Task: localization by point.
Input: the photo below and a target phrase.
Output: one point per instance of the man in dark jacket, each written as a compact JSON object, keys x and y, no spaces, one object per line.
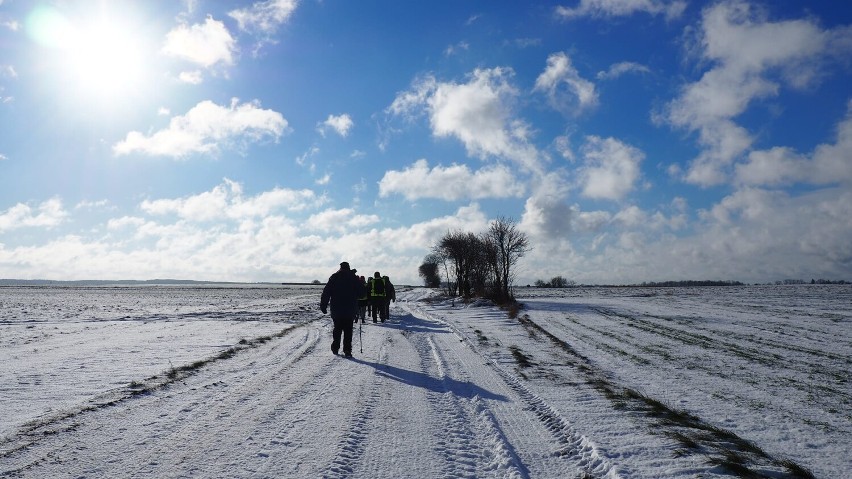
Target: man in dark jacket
{"x":390,"y":295}
{"x":342,"y":292}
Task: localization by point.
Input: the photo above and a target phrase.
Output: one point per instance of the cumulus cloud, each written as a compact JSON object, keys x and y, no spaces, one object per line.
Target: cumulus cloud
{"x":746,"y":236}
{"x":341,"y":124}
{"x":227,"y":202}
{"x":611,"y":168}
{"x":827,"y":164}
{"x":194,"y":77}
{"x":450,"y":183}
{"x":547,"y":218}
{"x":48,"y":214}
{"x":478,"y":113}
{"x":340,"y":220}
{"x":751,"y":58}
{"x":619,"y":8}
{"x":205,"y":128}
{"x":205,"y":44}
{"x":264,"y":17}
{"x":256,"y":247}
{"x":618,"y":69}
{"x":566,"y":91}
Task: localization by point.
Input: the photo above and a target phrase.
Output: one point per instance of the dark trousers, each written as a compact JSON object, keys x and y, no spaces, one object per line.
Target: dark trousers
{"x":343,"y":326}
{"x":380,"y":309}
{"x":378,"y":304}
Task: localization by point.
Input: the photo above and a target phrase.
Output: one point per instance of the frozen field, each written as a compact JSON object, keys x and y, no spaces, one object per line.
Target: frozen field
{"x":599,"y":382}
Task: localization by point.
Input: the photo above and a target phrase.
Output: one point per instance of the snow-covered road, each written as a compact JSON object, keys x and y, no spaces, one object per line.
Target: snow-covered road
{"x":439,"y":391}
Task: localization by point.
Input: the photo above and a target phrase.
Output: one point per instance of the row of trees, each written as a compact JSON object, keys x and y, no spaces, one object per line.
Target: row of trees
{"x":813,"y":281}
{"x":555,"y":282}
{"x":477,"y":264}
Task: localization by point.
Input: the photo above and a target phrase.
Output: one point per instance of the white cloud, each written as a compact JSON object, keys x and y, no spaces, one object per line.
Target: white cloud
{"x":751,"y":58}
{"x":163,"y":111}
{"x":478,"y":113}
{"x":12,"y":25}
{"x":450,"y":183}
{"x":8,"y":71}
{"x":341,"y":124}
{"x":3,"y":157}
{"x":458,"y":47}
{"x":90,"y":205}
{"x":227,"y":202}
{"x":547,"y":218}
{"x":303,"y":158}
{"x":125,"y":222}
{"x":560,"y":75}
{"x":618,"y":8}
{"x":271,"y":248}
{"x":324,"y":180}
{"x":750,"y":235}
{"x":611,"y":168}
{"x":264,"y":17}
{"x":340,"y":220}
{"x":827,"y":164}
{"x":49,"y":213}
{"x":618,"y":69}
{"x":204,"y":44}
{"x":205,"y":128}
{"x":562,"y":145}
{"x":194,"y":77}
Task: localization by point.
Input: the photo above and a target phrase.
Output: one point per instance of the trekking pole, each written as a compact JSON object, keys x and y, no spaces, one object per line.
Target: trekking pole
{"x":361,"y":338}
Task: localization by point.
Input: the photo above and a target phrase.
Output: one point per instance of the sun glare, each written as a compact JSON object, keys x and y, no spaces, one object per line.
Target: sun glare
{"x":102,"y":56}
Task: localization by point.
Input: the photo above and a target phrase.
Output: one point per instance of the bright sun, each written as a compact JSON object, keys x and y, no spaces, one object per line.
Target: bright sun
{"x":100,"y":55}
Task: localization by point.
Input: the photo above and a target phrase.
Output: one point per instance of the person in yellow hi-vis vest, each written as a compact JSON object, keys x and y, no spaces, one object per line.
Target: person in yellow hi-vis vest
{"x":377,"y":297}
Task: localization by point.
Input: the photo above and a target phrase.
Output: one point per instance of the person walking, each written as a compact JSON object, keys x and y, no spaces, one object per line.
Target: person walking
{"x":363,"y":301}
{"x":341,"y":292}
{"x":390,"y":295}
{"x":369,"y":286}
{"x":377,"y":297}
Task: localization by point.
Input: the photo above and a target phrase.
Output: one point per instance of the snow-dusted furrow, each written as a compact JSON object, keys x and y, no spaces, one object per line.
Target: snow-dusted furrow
{"x":576,"y":449}
{"x":170,"y":429}
{"x":822,"y":377}
{"x":238,"y":405}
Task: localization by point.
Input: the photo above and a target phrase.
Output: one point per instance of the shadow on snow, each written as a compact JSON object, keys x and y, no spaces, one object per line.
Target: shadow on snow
{"x":446,"y":384}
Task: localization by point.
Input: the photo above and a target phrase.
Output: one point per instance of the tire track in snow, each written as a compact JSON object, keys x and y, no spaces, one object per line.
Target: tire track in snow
{"x":472,"y":421}
{"x":572,"y":446}
{"x":353,"y":443}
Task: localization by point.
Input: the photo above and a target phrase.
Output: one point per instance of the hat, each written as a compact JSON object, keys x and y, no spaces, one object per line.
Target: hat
{"x":344,"y":266}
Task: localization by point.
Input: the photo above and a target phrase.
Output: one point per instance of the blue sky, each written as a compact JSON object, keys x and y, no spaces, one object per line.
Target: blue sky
{"x":631,"y":140}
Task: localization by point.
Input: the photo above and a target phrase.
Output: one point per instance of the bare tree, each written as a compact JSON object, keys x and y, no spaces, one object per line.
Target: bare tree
{"x":429,"y":271}
{"x":512,"y":244}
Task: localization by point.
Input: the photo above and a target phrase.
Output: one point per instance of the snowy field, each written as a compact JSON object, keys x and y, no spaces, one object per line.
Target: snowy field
{"x":231,"y":381}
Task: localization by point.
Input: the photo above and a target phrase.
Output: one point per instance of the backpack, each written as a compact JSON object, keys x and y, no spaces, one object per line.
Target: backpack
{"x":378,"y":287}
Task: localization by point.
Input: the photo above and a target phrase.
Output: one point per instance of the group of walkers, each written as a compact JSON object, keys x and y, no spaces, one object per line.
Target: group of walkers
{"x":353,"y":297}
